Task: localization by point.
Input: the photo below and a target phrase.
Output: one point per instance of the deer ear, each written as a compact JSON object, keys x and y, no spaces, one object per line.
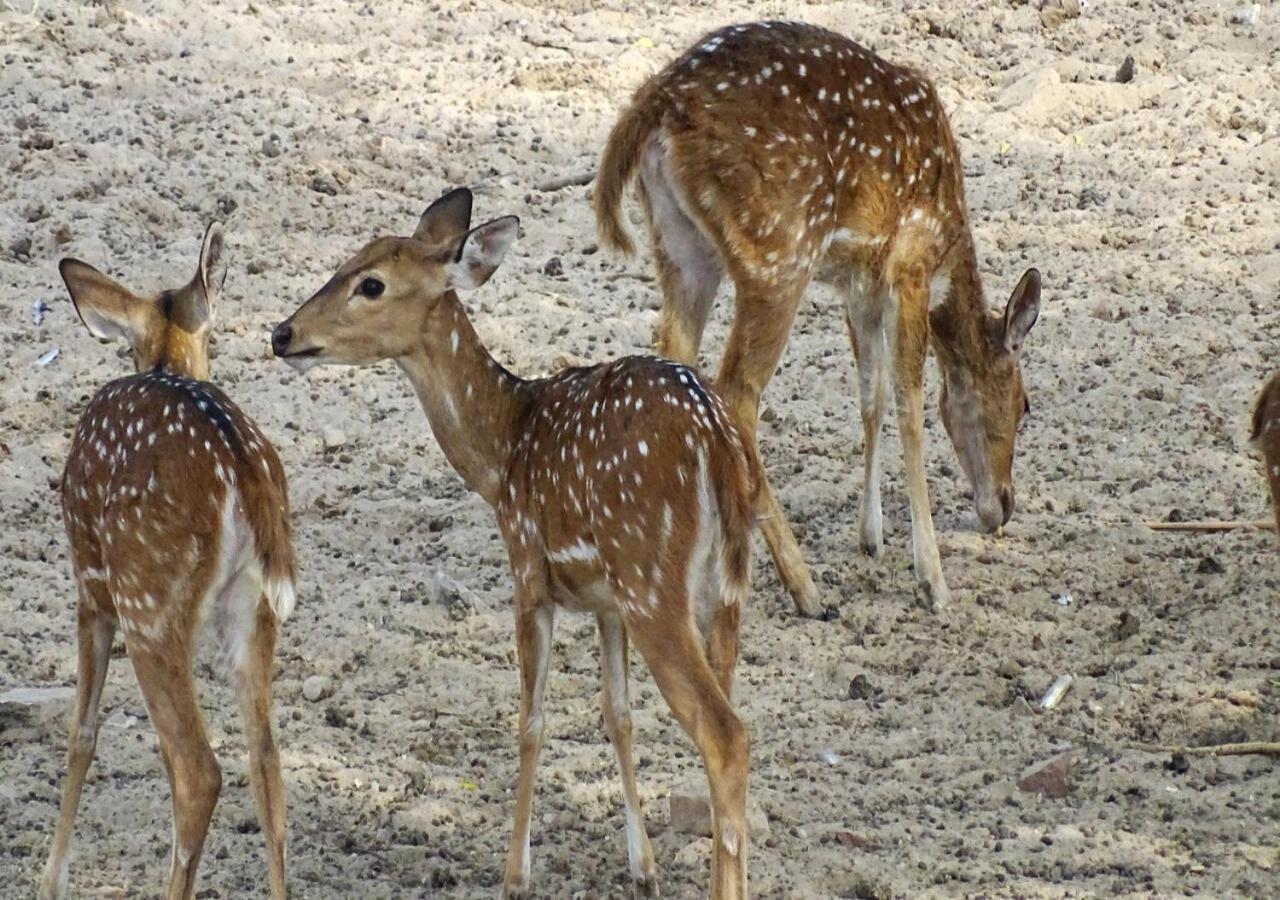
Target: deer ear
{"x":107,"y":308}
{"x":480,"y":252}
{"x":446,"y":219}
{"x":209,"y":278}
{"x":1022,"y":311}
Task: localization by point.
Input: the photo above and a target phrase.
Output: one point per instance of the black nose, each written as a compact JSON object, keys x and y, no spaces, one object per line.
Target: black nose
{"x":1006,"y":503}
{"x":280,"y":338}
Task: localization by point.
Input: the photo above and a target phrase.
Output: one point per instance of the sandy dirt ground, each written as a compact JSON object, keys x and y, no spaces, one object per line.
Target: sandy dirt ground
{"x":1150,"y":207}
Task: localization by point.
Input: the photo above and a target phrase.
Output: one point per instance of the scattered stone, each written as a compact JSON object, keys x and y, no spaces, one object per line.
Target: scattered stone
{"x":1090,"y":196}
{"x":317,"y":688}
{"x":1010,"y":668}
{"x":1247,"y":15}
{"x":20,"y":248}
{"x":333,"y":437}
{"x":439,"y":523}
{"x":337,"y":716}
{"x":860,"y":688}
{"x":226,"y":206}
{"x":854,"y":841}
{"x":1275,"y":662}
{"x":35,"y":704}
{"x":1054,"y":12}
{"x":1128,"y":68}
{"x":271,"y":146}
{"x":1125,"y":627}
{"x":554,"y":267}
{"x":63,"y":235}
{"x":451,"y":595}
{"x":1177,"y":763}
{"x":324,"y":183}
{"x":36,"y":140}
{"x":1020,"y":708}
{"x":1210,"y":566}
{"x":690,"y":808}
{"x":1051,"y":778}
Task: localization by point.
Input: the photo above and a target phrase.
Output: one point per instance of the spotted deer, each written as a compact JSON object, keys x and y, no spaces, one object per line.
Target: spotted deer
{"x":1265,"y":437}
{"x":780,"y":153}
{"x":176,"y":510}
{"x":621,"y":489}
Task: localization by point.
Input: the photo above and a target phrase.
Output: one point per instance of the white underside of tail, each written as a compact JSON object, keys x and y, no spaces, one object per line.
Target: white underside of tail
{"x":280,"y":597}
{"x":230,"y":607}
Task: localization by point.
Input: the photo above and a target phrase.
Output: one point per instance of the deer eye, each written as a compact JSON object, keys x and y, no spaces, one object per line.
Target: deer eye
{"x":371,"y":288}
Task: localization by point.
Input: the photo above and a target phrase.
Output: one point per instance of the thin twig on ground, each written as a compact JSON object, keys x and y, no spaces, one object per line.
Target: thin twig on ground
{"x":1209,"y":525}
{"x":1249,"y":748}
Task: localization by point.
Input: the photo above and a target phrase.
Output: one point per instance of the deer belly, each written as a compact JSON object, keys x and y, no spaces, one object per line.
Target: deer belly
{"x":588,"y":593}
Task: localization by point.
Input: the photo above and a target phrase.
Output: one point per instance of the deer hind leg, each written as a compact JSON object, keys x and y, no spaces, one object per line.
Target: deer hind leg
{"x":911,"y":344}
{"x":871,"y":328}
{"x":534,"y":621}
{"x":689,"y":266}
{"x":94,"y":633}
{"x":680,"y":668}
{"x":616,"y":703}
{"x":164,"y":675}
{"x":253,"y":676}
{"x":761,"y":324}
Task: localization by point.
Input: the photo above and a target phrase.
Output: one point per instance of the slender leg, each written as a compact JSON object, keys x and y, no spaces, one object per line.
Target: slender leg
{"x":722,"y":644}
{"x":95,"y":631}
{"x":761,"y":324}
{"x":689,"y":267}
{"x":912,"y":344}
{"x":534,"y":620}
{"x":616,"y":703}
{"x":864,"y":316}
{"x":194,"y":777}
{"x":254,"y":688}
{"x":693,"y":692}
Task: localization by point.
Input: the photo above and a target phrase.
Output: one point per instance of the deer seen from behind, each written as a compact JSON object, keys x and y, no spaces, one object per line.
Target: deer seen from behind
{"x":177,"y":514}
{"x":621,"y":490}
{"x":779,"y":153}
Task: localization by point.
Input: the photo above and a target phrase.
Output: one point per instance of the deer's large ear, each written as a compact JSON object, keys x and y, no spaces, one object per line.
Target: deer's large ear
{"x":446,"y":219}
{"x":207,"y":285}
{"x":1022,"y":311}
{"x":213,"y":263}
{"x":106,"y":307}
{"x":480,"y":252}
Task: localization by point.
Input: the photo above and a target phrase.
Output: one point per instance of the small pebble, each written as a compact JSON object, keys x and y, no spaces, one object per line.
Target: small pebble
{"x":333,"y":437}
{"x":317,"y":688}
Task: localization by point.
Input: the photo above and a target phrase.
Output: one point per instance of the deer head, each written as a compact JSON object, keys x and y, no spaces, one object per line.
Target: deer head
{"x":169,"y":331}
{"x":983,"y":399}
{"x":378,"y":303}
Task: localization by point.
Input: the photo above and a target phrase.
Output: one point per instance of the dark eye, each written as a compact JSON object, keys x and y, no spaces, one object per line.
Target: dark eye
{"x":371,"y":288}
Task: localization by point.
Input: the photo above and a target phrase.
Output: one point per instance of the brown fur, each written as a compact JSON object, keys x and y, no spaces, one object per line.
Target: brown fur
{"x":863,"y":154}
{"x":1265,"y":436}
{"x":159,"y":463}
{"x":622,"y":489}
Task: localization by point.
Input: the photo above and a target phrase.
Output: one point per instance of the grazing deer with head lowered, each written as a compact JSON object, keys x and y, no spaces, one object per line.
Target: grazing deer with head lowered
{"x":621,"y":489}
{"x":779,"y":153}
{"x":1265,"y":437}
{"x":176,"y":509}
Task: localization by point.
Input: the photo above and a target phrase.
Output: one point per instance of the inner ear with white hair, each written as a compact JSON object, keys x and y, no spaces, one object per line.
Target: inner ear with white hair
{"x":107,"y":308}
{"x":480,"y":252}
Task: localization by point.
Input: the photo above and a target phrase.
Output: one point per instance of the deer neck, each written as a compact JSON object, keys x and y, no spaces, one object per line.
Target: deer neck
{"x":958,"y":323}
{"x":472,"y":403}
